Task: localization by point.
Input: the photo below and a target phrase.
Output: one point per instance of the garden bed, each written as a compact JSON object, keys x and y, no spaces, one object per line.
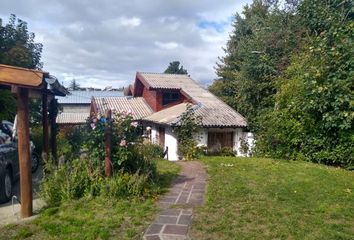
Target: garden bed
{"x":95,"y":218}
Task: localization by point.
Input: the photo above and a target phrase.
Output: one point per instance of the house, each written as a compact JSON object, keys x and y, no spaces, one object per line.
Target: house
{"x":157,"y":100}
{"x":75,"y":108}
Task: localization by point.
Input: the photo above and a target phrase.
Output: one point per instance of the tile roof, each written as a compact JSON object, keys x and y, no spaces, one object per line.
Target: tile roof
{"x":137,"y":105}
{"x":84,"y":97}
{"x":214,"y":112}
{"x":72,"y":118}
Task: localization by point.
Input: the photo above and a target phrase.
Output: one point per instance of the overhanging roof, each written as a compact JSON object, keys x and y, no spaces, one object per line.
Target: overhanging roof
{"x":20,"y":76}
{"x":29,"y":78}
{"x":136,"y":105}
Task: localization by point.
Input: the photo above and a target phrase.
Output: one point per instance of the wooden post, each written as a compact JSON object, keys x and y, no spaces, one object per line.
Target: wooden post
{"x":53,"y":128}
{"x":45,"y":126}
{"x":108,"y":146}
{"x":24,"y":153}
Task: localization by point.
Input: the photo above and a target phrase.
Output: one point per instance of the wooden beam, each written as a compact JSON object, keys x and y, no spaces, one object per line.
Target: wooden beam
{"x":45,"y":126}
{"x":24,"y":153}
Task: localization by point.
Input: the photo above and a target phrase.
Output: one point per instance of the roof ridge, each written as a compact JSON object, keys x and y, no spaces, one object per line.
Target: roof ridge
{"x":164,"y":73}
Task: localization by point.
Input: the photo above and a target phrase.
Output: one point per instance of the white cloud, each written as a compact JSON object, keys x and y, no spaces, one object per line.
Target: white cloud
{"x":167,"y":45}
{"x":105,"y":42}
{"x":122,"y":21}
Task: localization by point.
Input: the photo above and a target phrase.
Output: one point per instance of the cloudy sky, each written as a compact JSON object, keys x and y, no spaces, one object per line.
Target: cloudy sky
{"x":104,"y":42}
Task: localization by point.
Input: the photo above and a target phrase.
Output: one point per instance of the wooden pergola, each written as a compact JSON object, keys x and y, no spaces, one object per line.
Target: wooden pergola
{"x":24,"y":84}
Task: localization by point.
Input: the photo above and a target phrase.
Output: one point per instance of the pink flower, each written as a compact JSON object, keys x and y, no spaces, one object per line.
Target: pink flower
{"x":93,"y":126}
{"x":123,"y":142}
{"x":134,"y":124}
{"x":94,"y":120}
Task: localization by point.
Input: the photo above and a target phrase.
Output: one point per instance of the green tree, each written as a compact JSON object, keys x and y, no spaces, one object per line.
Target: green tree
{"x":74,"y":86}
{"x":259,"y":49}
{"x":313,"y":115}
{"x":17,"y":48}
{"x":175,"y":68}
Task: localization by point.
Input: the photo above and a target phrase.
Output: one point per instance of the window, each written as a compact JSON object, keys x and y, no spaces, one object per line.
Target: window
{"x":169,"y":97}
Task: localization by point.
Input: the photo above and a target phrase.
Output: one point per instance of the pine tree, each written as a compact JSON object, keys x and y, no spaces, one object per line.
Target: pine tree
{"x":174,"y":68}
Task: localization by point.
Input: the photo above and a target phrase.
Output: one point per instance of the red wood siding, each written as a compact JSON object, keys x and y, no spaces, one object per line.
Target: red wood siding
{"x":154,"y":97}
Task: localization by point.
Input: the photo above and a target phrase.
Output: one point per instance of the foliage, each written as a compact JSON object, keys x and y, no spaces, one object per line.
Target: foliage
{"x":8,"y":105}
{"x":101,"y":217}
{"x":245,"y":147}
{"x":187,"y":129}
{"x":126,"y":139}
{"x":37,"y":139}
{"x":151,"y":151}
{"x":73,"y":86}
{"x":18,"y":47}
{"x":290,"y":72}
{"x":257,"y":198}
{"x":64,"y":148}
{"x":35,"y":112}
{"x":70,"y":141}
{"x":314,"y":104}
{"x":174,"y":68}
{"x":227,"y":152}
{"x":258,"y":50}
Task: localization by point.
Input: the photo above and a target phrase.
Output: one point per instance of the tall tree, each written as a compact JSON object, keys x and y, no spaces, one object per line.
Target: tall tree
{"x":74,"y":86}
{"x":290,"y":71}
{"x":174,"y":68}
{"x":259,"y":49}
{"x":17,"y":48}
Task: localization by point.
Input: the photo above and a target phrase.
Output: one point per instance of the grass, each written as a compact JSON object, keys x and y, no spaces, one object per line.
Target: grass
{"x":249,"y":198}
{"x":97,"y":218}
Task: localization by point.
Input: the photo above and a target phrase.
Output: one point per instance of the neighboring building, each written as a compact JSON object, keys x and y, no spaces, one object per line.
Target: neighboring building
{"x":75,"y":108}
{"x":158,"y":100}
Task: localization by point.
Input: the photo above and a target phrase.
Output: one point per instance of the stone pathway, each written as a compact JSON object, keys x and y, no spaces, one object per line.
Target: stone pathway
{"x":186,"y":192}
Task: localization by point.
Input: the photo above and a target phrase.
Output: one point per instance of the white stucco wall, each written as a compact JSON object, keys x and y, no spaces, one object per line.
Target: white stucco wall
{"x":171,"y":143}
{"x":203,"y":137}
{"x":154,"y":134}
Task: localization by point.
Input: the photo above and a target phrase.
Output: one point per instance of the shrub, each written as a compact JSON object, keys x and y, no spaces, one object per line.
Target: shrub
{"x":151,"y":151}
{"x":124,"y":185}
{"x":186,"y":131}
{"x":83,"y":178}
{"x":227,"y":151}
{"x":244,"y":148}
{"x":37,"y":139}
{"x":69,"y":181}
{"x":63,"y":146}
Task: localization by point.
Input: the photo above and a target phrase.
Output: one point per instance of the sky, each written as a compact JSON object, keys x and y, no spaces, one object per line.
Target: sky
{"x":105,"y":42}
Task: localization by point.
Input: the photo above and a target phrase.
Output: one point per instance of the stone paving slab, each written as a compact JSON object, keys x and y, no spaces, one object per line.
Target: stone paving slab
{"x":186,"y":192}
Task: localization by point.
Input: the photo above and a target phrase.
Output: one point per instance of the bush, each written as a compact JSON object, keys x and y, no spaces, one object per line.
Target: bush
{"x":151,"y":151}
{"x":63,"y":146}
{"x":227,"y":151}
{"x":69,"y":181}
{"x":186,"y":130}
{"x":37,"y":139}
{"x":83,"y":178}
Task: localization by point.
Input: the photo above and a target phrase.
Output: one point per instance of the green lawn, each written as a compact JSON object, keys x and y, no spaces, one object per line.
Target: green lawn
{"x":249,"y":198}
{"x":97,"y":218}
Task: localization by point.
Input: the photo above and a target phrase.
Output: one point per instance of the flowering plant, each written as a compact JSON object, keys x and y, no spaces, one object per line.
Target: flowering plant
{"x":125,"y":135}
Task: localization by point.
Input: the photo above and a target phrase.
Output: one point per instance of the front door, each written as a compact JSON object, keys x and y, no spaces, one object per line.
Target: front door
{"x":162,"y":136}
{"x":220,"y":139}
